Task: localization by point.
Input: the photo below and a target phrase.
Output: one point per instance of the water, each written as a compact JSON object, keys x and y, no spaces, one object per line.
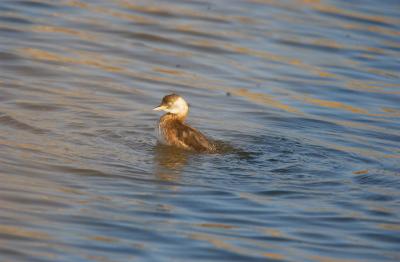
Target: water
{"x":307,"y":92}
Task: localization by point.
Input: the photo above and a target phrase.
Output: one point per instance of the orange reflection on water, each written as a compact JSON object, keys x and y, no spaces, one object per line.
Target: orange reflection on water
{"x":217,"y":242}
{"x":392,"y":227}
{"x":334,"y":104}
{"x":215,"y":225}
{"x":274,"y":256}
{"x":87,"y":59}
{"x":21,"y":232}
{"x":104,"y":239}
{"x":370,"y":86}
{"x":263,"y":99}
{"x":168,"y":71}
{"x":331,"y":259}
{"x":224,"y":243}
{"x":68,"y":31}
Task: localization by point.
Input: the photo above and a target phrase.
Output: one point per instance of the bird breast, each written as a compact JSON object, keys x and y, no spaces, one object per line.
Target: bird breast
{"x":160,"y":133}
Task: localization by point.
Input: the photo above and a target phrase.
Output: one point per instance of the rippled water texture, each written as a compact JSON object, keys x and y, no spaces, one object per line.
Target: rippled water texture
{"x":307,"y":93}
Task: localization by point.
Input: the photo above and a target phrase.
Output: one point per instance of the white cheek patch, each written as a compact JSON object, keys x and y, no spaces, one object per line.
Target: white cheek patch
{"x":180,"y":106}
{"x":175,"y":110}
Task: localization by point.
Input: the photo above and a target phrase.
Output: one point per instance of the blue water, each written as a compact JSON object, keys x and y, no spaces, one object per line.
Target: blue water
{"x":304,"y":95}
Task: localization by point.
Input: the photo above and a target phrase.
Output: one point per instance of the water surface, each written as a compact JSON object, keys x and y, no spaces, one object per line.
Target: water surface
{"x":307,"y":92}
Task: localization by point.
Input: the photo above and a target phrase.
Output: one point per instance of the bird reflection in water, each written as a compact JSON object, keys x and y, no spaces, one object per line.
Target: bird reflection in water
{"x":169,"y":162}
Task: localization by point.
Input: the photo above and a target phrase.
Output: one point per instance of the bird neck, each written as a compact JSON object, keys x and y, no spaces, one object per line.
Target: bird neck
{"x":178,"y":117}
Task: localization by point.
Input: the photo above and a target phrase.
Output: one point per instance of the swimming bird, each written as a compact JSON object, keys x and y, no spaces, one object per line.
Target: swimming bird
{"x":172,"y":130}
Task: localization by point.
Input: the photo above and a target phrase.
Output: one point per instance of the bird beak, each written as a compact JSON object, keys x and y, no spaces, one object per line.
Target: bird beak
{"x":159,"y":108}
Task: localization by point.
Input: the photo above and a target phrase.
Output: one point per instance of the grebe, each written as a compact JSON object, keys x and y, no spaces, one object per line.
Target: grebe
{"x":172,"y":130}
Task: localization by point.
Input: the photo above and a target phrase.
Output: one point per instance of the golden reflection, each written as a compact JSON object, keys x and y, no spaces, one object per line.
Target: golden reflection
{"x":391,"y":227}
{"x":361,"y":172}
{"x":264,"y":99}
{"x":362,"y":126}
{"x":361,"y":27}
{"x":277,"y":58}
{"x":355,"y":150}
{"x":223,"y":243}
{"x":169,"y":162}
{"x":121,"y":15}
{"x":331,"y":259}
{"x":391,"y":111}
{"x":370,"y":86}
{"x":68,"y":31}
{"x":323,"y":6}
{"x":104,"y":239}
{"x":337,"y":105}
{"x":329,"y":9}
{"x":245,"y":20}
{"x":216,"y":225}
{"x":76,"y":3}
{"x":334,"y":104}
{"x":20,"y":232}
{"x":168,"y":71}
{"x":220,"y":243}
{"x":83,"y":59}
{"x":274,"y":256}
{"x":397,"y":156}
{"x":273,"y":232}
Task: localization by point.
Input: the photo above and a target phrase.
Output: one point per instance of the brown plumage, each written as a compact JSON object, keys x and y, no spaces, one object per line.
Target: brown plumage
{"x":172,"y":130}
